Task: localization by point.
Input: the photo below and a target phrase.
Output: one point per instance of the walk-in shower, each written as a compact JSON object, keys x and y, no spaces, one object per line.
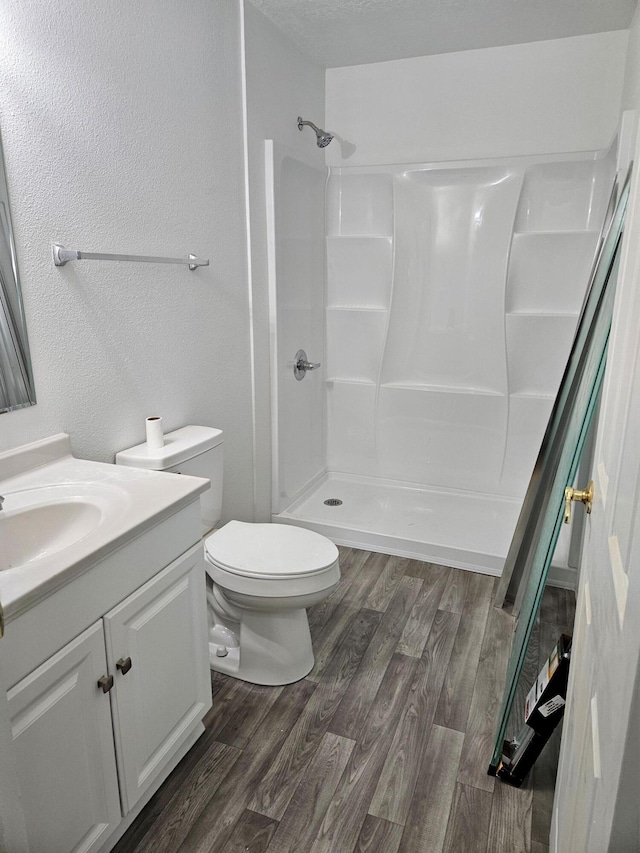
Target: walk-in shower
{"x":441,"y":301}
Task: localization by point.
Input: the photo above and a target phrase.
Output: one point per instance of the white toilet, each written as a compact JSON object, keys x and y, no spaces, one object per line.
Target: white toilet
{"x":261,"y":577}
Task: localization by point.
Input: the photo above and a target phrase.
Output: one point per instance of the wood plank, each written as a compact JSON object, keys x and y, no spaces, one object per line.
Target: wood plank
{"x":455,"y":593}
{"x":169,"y":815}
{"x":418,"y":625}
{"x":537,"y":847}
{"x":380,"y":596}
{"x":457,"y":689}
{"x":239,"y":730}
{"x":468,"y":827}
{"x":552,"y":605}
{"x":252,"y":834}
{"x":378,"y":836}
{"x":311,"y":799}
{"x":425,"y":571}
{"x":218,"y":681}
{"x":330,"y":637}
{"x":366,"y":579}
{"x":320,"y":613}
{"x":274,"y":793}
{"x":230,"y":698}
{"x":426,"y":823}
{"x":392,"y":797}
{"x":353,"y":710}
{"x":486,"y":701}
{"x":347,"y":811}
{"x":510,"y":827}
{"x":569,"y":615}
{"x":214,"y":827}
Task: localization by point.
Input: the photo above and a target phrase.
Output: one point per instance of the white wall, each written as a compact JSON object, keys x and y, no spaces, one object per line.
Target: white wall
{"x":543,"y":97}
{"x":281,"y":84}
{"x":122,"y":129}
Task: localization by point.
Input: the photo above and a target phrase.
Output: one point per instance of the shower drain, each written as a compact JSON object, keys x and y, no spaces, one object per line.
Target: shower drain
{"x":333,"y":502}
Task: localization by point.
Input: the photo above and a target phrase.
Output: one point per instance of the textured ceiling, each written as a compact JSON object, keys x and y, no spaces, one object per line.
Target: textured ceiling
{"x":352,"y":32}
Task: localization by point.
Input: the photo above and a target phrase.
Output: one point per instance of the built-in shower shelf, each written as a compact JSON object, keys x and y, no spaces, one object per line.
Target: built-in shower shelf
{"x":442,"y":389}
{"x":545,"y":398}
{"x":346,"y":237}
{"x":345,"y":381}
{"x":370,"y":308}
{"x":560,"y":233}
{"x":541,"y":315}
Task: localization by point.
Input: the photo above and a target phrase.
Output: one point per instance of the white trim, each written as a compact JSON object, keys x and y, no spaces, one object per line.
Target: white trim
{"x":247,"y":216}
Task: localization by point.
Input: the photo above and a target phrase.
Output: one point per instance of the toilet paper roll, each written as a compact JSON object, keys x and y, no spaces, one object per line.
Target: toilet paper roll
{"x":155,"y":437}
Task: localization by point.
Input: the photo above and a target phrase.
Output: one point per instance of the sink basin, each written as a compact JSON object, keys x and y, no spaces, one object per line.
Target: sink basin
{"x":36,"y":523}
{"x":64,"y":516}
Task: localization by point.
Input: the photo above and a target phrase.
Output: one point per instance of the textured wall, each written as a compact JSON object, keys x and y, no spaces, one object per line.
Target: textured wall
{"x":538,"y":98}
{"x":122,"y":129}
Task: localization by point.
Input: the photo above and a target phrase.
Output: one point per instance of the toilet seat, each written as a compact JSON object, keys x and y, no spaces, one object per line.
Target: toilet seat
{"x":270,"y":551}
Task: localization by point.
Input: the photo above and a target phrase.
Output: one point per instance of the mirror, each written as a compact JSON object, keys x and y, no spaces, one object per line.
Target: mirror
{"x":16,"y":378}
{"x":560,"y":455}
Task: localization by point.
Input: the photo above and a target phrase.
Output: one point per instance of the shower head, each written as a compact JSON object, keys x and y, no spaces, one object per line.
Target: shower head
{"x":322,"y":137}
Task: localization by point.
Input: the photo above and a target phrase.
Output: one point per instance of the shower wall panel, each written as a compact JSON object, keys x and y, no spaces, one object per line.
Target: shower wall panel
{"x":452,"y":237}
{"x":452,"y":298}
{"x":296,"y":213}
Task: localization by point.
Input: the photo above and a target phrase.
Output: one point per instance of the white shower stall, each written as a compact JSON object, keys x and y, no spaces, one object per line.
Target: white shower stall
{"x":441,"y":300}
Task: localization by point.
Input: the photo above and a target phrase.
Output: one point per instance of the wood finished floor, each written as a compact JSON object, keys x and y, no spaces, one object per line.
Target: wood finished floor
{"x":382,"y":748}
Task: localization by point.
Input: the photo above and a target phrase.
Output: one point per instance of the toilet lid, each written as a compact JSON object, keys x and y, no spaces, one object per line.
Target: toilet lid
{"x":270,"y":550}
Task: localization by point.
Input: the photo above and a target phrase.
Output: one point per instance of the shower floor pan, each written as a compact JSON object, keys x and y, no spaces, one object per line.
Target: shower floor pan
{"x":465,"y":530}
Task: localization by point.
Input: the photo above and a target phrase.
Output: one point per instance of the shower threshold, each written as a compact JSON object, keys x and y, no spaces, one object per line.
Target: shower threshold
{"x":466,"y":530}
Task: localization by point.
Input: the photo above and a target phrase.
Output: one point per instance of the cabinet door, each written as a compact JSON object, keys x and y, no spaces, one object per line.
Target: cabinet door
{"x":161,"y":630}
{"x":62,"y":735}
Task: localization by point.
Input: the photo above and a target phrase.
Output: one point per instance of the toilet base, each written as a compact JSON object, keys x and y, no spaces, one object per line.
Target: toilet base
{"x":273,"y":648}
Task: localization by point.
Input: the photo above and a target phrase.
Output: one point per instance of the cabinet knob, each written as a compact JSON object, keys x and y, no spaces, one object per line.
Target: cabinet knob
{"x":124,"y":665}
{"x":105,"y":683}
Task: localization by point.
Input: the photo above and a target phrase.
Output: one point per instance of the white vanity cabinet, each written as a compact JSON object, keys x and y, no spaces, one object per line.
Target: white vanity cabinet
{"x":85,"y":756}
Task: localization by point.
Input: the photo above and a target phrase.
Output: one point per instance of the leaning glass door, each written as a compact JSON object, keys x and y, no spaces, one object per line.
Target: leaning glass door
{"x":560,"y":455}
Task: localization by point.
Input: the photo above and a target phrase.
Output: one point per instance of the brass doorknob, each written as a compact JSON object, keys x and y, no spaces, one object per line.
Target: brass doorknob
{"x":584,"y":496}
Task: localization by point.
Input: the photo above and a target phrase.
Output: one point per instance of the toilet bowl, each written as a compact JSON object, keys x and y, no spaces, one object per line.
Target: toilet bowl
{"x":261,"y":579}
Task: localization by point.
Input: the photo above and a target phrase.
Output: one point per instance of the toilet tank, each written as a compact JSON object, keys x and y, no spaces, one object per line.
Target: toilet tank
{"x":194,"y":450}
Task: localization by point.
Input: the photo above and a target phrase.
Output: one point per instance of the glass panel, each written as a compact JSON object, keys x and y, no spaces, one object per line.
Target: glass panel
{"x":518,"y":561}
{"x":560,"y":454}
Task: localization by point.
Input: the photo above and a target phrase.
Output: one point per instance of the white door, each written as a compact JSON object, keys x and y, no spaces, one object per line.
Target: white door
{"x":63,"y":744}
{"x":597,"y":792}
{"x":157,"y":649}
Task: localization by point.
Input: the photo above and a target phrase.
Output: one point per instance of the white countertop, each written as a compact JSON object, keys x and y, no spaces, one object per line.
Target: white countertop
{"x":124,"y":502}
